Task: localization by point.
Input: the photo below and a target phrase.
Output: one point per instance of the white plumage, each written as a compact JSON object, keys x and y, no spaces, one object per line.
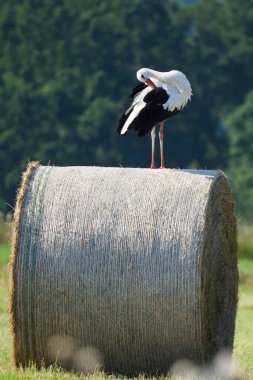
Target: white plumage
{"x":160,"y":96}
{"x":174,"y":82}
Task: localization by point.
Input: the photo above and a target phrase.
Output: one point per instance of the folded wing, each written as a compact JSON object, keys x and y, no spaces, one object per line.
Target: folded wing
{"x":146,"y":112}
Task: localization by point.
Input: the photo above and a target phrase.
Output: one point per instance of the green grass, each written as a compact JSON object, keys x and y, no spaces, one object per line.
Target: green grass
{"x":243,"y":352}
{"x":5,"y":231}
{"x":4,"y":254}
{"x":245,"y":241}
{"x":246,"y":275}
{"x":244,"y":320}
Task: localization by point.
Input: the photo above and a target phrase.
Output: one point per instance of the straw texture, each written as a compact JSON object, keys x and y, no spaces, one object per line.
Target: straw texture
{"x":15,"y":248}
{"x":130,"y":269}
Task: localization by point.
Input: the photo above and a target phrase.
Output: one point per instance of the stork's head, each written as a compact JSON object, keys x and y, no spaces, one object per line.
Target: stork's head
{"x":143,"y":75}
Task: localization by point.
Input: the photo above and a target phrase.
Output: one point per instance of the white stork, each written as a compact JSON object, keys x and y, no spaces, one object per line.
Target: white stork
{"x":158,"y":97}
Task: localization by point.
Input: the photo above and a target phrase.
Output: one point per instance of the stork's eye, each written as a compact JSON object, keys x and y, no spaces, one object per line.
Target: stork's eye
{"x":142,"y":76}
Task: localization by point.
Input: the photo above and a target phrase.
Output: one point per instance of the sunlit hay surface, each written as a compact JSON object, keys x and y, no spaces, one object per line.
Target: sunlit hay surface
{"x":129,"y":270}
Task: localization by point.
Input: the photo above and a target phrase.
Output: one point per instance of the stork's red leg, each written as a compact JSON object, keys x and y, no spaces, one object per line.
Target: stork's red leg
{"x":152,"y":166}
{"x":161,"y":144}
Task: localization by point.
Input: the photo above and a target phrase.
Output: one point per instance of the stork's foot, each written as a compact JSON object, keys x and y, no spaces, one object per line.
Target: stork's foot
{"x":162,"y":163}
{"x":152,"y":166}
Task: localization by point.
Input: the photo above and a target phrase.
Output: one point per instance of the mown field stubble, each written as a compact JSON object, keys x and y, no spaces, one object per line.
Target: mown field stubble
{"x":243,"y":353}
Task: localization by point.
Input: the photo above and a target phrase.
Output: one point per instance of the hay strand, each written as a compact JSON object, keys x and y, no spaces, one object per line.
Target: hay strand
{"x":14,"y":252}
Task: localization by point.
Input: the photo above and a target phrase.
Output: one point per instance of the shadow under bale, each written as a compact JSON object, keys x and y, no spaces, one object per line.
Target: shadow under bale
{"x":127,"y":270}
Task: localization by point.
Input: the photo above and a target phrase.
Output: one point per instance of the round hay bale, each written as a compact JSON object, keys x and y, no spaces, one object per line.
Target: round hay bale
{"x":127,"y":269}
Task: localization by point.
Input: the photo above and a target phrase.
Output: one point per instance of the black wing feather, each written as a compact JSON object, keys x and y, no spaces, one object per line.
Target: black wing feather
{"x":149,"y":117}
{"x":158,"y":95}
{"x":123,"y":117}
{"x":136,"y":90}
{"x":152,"y":114}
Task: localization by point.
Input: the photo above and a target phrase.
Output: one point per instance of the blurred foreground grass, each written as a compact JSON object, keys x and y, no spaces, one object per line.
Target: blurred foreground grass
{"x":243,"y":352}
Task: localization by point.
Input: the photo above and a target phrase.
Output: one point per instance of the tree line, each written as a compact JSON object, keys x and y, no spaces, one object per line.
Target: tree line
{"x":66,"y":68}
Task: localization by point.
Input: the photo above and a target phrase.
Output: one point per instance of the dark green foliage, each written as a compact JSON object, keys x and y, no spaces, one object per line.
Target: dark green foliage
{"x":240,"y":124}
{"x":66,"y":68}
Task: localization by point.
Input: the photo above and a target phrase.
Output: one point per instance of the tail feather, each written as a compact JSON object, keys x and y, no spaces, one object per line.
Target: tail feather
{"x":142,"y":127}
{"x":131,"y":117}
{"x":127,"y":117}
{"x":121,"y":121}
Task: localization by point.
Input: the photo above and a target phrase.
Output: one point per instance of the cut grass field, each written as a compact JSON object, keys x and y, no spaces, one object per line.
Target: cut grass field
{"x":243,"y":353}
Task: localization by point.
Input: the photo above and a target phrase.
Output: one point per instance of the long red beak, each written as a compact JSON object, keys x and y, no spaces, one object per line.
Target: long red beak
{"x":150,"y":83}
